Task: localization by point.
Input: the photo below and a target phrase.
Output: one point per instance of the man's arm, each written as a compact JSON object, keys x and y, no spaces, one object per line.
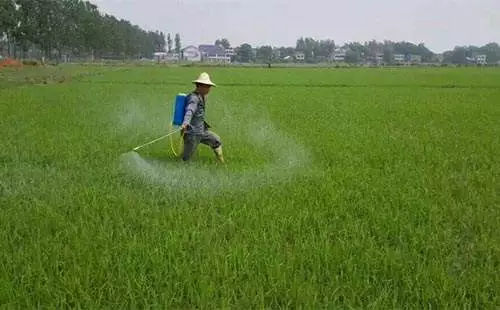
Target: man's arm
{"x":190,"y":110}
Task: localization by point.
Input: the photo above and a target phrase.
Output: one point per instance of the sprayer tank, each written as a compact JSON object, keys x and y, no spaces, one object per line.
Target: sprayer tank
{"x":179,"y":109}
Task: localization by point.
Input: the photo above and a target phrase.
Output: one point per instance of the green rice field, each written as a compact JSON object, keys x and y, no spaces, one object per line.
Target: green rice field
{"x":366,"y":188}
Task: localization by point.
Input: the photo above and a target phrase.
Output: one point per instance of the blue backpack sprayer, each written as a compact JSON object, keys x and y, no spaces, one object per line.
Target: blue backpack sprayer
{"x":175,"y":126}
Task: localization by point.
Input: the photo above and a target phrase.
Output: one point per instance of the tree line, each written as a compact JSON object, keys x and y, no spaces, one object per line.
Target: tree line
{"x":464,"y":54}
{"x":51,"y":28}
{"x":316,"y":51}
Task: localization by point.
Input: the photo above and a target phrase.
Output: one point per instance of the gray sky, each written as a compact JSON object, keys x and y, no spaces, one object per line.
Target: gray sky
{"x":440,"y":24}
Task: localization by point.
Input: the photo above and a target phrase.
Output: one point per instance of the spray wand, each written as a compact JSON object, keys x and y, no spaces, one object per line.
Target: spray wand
{"x":157,"y":139}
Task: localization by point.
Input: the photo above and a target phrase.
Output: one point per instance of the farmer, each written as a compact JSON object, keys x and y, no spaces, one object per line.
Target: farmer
{"x":194,"y":127}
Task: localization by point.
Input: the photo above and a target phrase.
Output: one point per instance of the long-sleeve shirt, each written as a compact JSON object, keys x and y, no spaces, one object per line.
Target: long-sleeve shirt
{"x":195,"y":114}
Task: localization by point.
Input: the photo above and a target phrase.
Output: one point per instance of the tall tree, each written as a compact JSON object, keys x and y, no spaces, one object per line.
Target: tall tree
{"x":169,"y":43}
{"x":158,"y":39}
{"x":265,"y":54}
{"x":223,"y":42}
{"x":355,"y":52}
{"x":423,"y":51}
{"x":286,"y":51}
{"x":324,"y":48}
{"x":8,"y":16}
{"x":492,"y":52}
{"x":459,"y":55}
{"x":77,"y":27}
{"x":388,"y":52}
{"x":178,"y":43}
{"x":352,"y":56}
{"x":244,"y":53}
{"x":373,"y":48}
{"x":314,"y":50}
{"x":301,"y":45}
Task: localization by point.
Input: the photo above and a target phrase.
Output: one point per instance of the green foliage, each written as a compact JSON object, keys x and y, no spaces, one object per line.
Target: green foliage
{"x":7,"y":16}
{"x":178,"y":45}
{"x":169,"y":43}
{"x":492,"y":52}
{"x":265,"y":54}
{"x":244,"y":53}
{"x":75,"y":27}
{"x":460,"y":54}
{"x":223,"y":42}
{"x":315,"y":50}
{"x":355,"y":52}
{"x":286,"y":51}
{"x":407,"y":48}
{"x":457,"y":56}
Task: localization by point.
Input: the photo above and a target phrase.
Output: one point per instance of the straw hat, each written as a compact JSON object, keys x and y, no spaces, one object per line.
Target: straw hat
{"x":204,"y":78}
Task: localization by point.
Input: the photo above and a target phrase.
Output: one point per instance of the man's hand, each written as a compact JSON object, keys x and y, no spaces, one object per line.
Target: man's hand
{"x":184,"y":127}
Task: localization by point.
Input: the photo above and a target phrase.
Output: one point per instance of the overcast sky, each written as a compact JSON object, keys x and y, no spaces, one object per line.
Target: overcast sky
{"x":440,"y":24}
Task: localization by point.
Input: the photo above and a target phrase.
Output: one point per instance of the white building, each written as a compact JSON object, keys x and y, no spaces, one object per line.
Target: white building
{"x":300,"y":56}
{"x":480,"y":59}
{"x":160,"y":56}
{"x":230,"y":52}
{"x":215,"y":53}
{"x":164,"y":57}
{"x":339,"y":55}
{"x":399,"y":58}
{"x":191,"y":53}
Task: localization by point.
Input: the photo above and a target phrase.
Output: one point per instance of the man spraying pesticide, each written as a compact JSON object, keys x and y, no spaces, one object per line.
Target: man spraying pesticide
{"x":194,"y":127}
{"x":189,"y":114}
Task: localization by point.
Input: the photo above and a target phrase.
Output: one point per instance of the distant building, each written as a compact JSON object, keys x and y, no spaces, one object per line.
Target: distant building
{"x":160,"y":56}
{"x":165,"y":57}
{"x":191,"y":53}
{"x":230,"y":52}
{"x":339,"y":55}
{"x":399,"y":58}
{"x":215,"y":53}
{"x":415,"y":59}
{"x":480,"y":59}
{"x":376,"y":59}
{"x":300,"y":56}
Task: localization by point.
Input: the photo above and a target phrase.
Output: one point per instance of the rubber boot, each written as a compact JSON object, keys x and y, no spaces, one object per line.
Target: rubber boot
{"x":218,"y":154}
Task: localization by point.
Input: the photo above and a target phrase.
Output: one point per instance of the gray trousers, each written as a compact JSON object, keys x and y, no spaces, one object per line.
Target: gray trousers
{"x":191,"y":142}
